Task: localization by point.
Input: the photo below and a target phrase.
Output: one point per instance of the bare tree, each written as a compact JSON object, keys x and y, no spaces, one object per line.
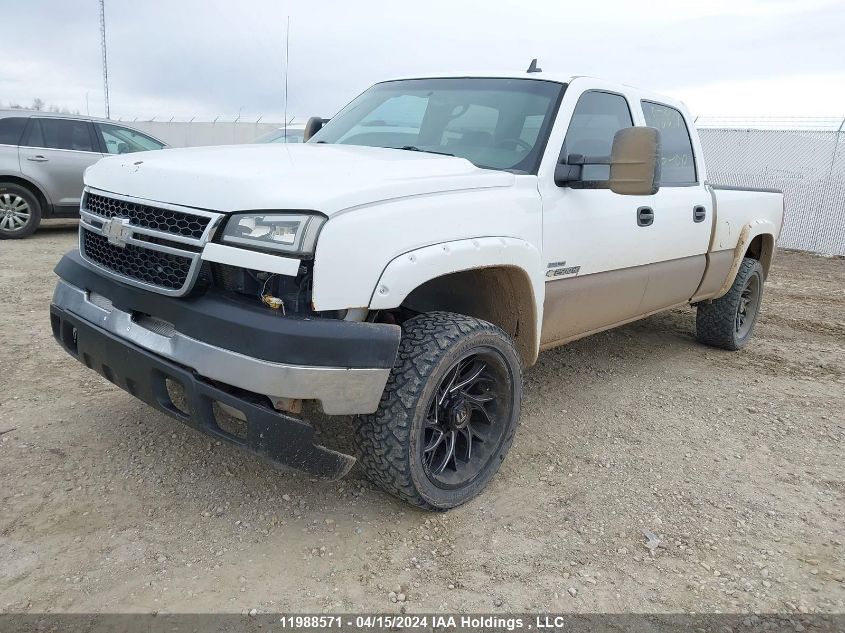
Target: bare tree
{"x":15,"y":106}
{"x":38,"y":103}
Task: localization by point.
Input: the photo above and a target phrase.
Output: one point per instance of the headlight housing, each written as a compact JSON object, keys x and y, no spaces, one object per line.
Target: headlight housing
{"x":277,"y":231}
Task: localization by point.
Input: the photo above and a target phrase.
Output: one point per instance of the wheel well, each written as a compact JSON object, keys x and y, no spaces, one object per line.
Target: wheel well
{"x":34,"y":189}
{"x":762,"y":248}
{"x":501,"y":295}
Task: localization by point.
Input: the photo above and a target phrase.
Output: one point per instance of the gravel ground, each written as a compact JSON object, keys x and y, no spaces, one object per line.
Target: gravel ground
{"x":650,"y":474}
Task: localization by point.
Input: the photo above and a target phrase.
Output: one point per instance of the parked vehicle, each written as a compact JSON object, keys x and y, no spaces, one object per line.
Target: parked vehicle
{"x":406,"y":264}
{"x":291,"y":134}
{"x":42,"y":157}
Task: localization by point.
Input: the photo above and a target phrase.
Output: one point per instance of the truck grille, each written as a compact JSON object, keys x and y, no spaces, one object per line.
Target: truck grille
{"x":156,"y":246}
{"x":149,"y":266}
{"x":156,"y":218}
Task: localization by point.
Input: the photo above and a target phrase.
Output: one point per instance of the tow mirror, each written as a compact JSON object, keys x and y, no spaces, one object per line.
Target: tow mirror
{"x":634,"y":164}
{"x":314,"y":125}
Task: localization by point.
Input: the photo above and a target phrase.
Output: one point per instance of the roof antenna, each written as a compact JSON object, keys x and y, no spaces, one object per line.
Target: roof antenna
{"x":532,"y":67}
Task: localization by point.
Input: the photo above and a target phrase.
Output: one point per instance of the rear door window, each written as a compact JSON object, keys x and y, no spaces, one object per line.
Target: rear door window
{"x":11,"y":129}
{"x":68,"y":134}
{"x":677,"y":161}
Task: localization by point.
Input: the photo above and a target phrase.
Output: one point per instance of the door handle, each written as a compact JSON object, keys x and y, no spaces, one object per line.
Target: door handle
{"x":699,"y":213}
{"x":645,"y":216}
{"x":37,"y":159}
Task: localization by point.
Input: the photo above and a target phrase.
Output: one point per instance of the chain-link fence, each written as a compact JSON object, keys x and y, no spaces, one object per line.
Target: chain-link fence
{"x":803,"y":157}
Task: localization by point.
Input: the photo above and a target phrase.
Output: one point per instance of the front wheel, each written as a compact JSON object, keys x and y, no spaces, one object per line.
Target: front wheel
{"x":448,"y":413}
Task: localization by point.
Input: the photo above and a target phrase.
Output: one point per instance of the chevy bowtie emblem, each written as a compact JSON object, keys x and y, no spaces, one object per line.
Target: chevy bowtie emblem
{"x":117,"y":230}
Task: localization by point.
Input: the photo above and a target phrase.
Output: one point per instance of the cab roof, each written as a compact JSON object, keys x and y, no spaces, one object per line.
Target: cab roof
{"x":556,"y":77}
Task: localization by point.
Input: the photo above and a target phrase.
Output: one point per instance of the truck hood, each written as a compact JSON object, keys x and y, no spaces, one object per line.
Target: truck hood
{"x":325,"y":178}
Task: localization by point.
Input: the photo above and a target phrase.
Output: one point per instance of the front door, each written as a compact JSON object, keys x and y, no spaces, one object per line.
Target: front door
{"x":54,"y":153}
{"x":596,"y":248}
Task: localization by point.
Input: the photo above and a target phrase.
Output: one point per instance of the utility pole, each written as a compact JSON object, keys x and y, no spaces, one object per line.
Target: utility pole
{"x":287,"y":56}
{"x":105,"y":62}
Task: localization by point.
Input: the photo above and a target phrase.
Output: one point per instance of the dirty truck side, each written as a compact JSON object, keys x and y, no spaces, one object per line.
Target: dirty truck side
{"x":405,"y":266}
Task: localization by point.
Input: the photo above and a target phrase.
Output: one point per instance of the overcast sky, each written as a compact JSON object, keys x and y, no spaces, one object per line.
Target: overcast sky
{"x":209,"y":58}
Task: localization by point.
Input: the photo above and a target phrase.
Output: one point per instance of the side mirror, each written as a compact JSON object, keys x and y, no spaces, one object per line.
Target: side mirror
{"x":635,"y":162}
{"x":313,"y":126}
{"x":634,"y":165}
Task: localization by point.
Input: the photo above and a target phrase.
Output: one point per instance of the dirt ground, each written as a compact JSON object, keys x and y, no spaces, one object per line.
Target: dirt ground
{"x":733,"y":461}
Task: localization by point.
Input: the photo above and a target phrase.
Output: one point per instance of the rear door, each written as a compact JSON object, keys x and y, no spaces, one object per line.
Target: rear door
{"x":682,"y":224}
{"x":11,"y":130}
{"x":54,"y":153}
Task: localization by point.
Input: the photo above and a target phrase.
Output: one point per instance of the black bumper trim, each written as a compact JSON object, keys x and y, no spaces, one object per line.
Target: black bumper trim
{"x":220,"y":320}
{"x":269,"y":434}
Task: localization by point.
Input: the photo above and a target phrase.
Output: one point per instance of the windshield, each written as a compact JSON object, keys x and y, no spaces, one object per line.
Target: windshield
{"x":493,"y":123}
{"x":279,"y":136}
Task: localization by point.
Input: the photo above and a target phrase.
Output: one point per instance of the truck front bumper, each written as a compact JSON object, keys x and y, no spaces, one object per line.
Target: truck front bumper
{"x":220,"y":350}
{"x":344,"y":365}
{"x":268,"y":433}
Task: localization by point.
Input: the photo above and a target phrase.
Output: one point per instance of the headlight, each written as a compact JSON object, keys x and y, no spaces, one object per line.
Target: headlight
{"x":283,"y":232}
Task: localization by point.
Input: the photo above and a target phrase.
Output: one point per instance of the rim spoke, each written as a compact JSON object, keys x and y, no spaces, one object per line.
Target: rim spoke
{"x":483,"y":411}
{"x":451,"y":382}
{"x":478,"y":399}
{"x":476,"y":436}
{"x":440,"y":435}
{"x":467,"y":433}
{"x":476,"y":371}
{"x":450,"y":452}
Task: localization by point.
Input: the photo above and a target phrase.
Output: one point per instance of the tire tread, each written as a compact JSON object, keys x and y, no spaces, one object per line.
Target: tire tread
{"x":715,"y":320}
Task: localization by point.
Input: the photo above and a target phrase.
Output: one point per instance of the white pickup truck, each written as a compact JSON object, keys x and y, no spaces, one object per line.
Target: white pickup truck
{"x":406,"y":264}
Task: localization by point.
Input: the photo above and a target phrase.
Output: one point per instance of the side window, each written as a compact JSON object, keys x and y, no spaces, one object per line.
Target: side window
{"x":11,"y":129}
{"x":595,"y":121}
{"x":60,"y":134}
{"x":122,"y":140}
{"x":677,"y":163}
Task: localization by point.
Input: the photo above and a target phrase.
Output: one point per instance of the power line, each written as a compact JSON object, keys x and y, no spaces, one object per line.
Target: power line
{"x":105,"y":61}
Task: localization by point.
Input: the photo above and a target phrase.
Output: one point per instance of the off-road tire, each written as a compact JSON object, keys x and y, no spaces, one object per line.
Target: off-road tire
{"x":14,"y":190}
{"x":388,"y":441}
{"x":716,"y":321}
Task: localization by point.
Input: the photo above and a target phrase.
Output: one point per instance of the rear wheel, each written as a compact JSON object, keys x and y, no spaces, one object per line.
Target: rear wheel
{"x":728,"y":322}
{"x":20,"y":212}
{"x":448,"y":413}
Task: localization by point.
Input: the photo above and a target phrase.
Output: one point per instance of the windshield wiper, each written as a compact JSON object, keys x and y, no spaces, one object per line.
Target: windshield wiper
{"x":414,"y":148}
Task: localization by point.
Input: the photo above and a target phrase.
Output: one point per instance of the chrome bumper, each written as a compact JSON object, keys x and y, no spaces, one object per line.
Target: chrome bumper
{"x":340,"y":390}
